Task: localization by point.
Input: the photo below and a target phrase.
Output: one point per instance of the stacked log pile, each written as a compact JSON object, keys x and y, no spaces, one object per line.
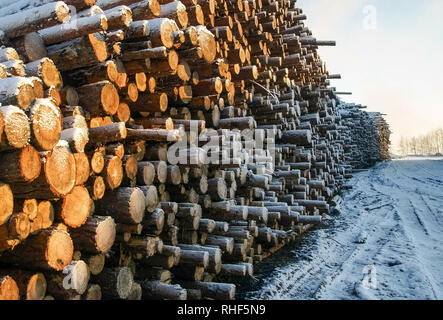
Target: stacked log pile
{"x":367,"y":136}
{"x":150,"y":148}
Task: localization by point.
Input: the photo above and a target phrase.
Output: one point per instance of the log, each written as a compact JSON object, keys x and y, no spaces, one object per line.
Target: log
{"x":19,"y":226}
{"x":94,"y":292}
{"x":46,"y":70}
{"x":57,"y":178}
{"x":95,"y":262}
{"x":96,"y":236}
{"x":159,"y":291}
{"x":115,"y":131}
{"x":113,"y":172}
{"x":79,"y":52}
{"x":67,"y":287}
{"x":36,"y":19}
{"x":215,"y":256}
{"x":82,"y":168}
{"x":298,"y":137}
{"x":20,"y":166}
{"x":99,"y":98}
{"x":28,"y":207}
{"x":125,"y":205}
{"x":32,"y":286}
{"x":213,"y":290}
{"x":226,"y":244}
{"x":144,"y":10}
{"x":116,"y":283}
{"x":156,"y":102}
{"x":8,"y":289}
{"x":75,"y":208}
{"x":45,"y":216}
{"x":49,"y":249}
{"x":96,"y":187}
{"x":45,"y":124}
{"x":16,"y":128}
{"x":194,"y":258}
{"x":135,"y":292}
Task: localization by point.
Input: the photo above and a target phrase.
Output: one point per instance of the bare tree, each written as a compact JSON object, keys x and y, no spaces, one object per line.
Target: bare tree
{"x":428,"y":144}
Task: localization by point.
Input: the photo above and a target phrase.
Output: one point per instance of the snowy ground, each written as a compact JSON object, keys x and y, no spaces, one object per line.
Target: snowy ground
{"x":387,"y":243}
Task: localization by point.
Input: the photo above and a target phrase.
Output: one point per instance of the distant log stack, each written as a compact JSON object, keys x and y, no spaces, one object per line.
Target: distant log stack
{"x":153,"y":149}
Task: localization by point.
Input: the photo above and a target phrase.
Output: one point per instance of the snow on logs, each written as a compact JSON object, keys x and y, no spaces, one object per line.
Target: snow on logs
{"x":92,"y":105}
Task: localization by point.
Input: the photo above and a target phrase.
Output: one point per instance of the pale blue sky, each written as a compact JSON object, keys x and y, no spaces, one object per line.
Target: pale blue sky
{"x":397,"y":68}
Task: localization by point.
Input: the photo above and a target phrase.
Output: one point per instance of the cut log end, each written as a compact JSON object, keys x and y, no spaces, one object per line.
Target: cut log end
{"x":76,"y":207}
{"x":36,"y":288}
{"x":60,"y":170}
{"x":6,"y":202}
{"x":8,"y":289}
{"x":46,"y":124}
{"x":16,"y":127}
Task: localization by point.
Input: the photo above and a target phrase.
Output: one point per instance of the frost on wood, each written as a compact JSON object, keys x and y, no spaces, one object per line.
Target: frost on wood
{"x":33,"y":19}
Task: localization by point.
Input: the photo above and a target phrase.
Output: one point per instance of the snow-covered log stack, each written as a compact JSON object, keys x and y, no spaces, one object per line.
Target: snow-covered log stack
{"x":109,"y":170}
{"x":366,"y":134}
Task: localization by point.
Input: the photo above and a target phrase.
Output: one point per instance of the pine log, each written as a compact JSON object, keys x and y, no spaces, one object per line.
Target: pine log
{"x":215,"y":256}
{"x":36,"y":18}
{"x":213,"y":290}
{"x":151,"y":197}
{"x":17,"y":91}
{"x":75,"y":28}
{"x":28,"y":207}
{"x":66,"y":287}
{"x":75,"y":208}
{"x":45,"y":123}
{"x":99,"y":98}
{"x":159,"y":291}
{"x":8,"y":53}
{"x":156,"y":102}
{"x":95,"y":262}
{"x":57,"y":178}
{"x":94,"y":292}
{"x":116,"y":283}
{"x":135,"y":292}
{"x":19,"y":226}
{"x":31,"y":47}
{"x":82,"y":168}
{"x":20,"y":166}
{"x":144,"y":10}
{"x":125,"y":205}
{"x":8,"y":289}
{"x":226,"y":244}
{"x":145,"y":173}
{"x":32,"y":286}
{"x":176,"y":11}
{"x":96,"y":236}
{"x":96,"y":187}
{"x":45,"y":216}
{"x":298,"y":137}
{"x":79,"y":52}
{"x":46,"y":70}
{"x":113,"y":172}
{"x":49,"y":249}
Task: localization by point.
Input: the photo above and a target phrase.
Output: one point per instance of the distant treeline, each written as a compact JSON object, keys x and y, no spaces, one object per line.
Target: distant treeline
{"x":429,"y":144}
